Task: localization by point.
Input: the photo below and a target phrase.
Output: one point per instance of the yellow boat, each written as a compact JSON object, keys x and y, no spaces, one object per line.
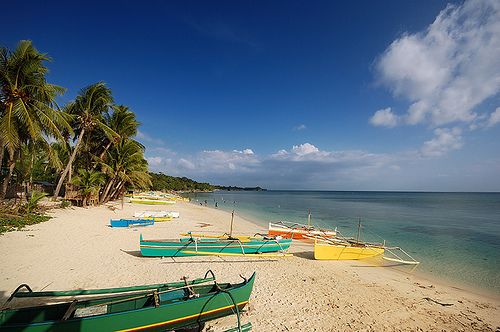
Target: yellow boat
{"x":150,"y":201}
{"x":326,"y":250}
{"x":343,"y":248}
{"x":158,"y":219}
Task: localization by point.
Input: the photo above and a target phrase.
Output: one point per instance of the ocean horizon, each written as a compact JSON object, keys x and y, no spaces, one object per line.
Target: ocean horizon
{"x":455,"y":235}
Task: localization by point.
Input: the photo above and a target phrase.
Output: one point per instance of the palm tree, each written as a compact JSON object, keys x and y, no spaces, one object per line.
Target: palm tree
{"x":28,"y":111}
{"x":88,"y":111}
{"x":125,"y":165}
{"x":34,"y":157}
{"x":89,"y":183}
{"x":123,"y":122}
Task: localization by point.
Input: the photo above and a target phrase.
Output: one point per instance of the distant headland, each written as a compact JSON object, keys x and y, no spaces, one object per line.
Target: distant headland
{"x":163,"y":182}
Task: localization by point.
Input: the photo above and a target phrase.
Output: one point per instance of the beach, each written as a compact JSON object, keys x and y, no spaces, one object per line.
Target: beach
{"x":77,"y":250}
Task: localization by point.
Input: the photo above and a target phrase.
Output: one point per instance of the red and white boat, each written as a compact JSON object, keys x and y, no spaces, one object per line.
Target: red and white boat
{"x":298,"y":231}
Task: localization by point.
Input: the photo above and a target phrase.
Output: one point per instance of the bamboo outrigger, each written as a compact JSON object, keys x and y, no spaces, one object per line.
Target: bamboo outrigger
{"x":262,"y":246}
{"x":217,"y":247}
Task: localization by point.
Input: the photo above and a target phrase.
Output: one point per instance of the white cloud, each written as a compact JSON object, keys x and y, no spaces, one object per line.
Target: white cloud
{"x":305,"y":166}
{"x":308,"y":153}
{"x":445,"y":140}
{"x":384,"y":117}
{"x":248,"y":151}
{"x":245,"y":151}
{"x":186,"y":164}
{"x":450,"y":68}
{"x":143,"y":137}
{"x":299,"y":127}
{"x":304,"y":149}
{"x":494,"y":118}
{"x":154,"y":161}
{"x":226,"y":161}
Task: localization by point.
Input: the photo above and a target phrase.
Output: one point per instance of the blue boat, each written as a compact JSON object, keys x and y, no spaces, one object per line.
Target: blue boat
{"x":130,"y":222}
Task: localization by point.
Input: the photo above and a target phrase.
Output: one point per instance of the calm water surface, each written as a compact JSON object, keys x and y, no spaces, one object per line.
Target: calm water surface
{"x":456,"y":236}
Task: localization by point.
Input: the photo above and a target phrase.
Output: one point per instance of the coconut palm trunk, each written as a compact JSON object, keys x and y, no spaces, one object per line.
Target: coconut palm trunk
{"x":70,"y":162}
{"x":108,"y":188}
{"x":2,"y":150}
{"x":117,"y":189}
{"x":12,"y":165}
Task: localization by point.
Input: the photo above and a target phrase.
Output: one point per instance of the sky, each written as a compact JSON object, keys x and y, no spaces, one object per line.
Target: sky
{"x":321,"y":95}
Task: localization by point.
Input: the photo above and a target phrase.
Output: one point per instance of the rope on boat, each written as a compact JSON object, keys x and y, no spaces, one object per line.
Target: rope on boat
{"x":279,"y":244}
{"x":235,"y":306}
{"x":15,"y":292}
{"x":241,"y":245}
{"x":220,"y":290}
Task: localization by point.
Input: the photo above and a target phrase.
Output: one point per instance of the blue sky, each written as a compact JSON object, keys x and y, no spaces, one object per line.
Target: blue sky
{"x":392,"y":95}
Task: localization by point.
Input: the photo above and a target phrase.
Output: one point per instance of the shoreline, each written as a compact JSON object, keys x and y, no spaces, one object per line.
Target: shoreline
{"x":421,"y":275}
{"x":449,"y":281}
{"x":76,"y":249}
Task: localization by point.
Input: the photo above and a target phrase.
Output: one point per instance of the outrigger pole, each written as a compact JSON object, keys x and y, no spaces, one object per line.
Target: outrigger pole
{"x":231,"y":228}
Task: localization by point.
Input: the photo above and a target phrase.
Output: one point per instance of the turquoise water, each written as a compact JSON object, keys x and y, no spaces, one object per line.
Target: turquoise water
{"x":456,"y":236}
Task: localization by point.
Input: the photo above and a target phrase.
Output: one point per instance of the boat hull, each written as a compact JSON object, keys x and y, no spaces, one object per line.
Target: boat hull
{"x":130,"y":222}
{"x":190,"y":247}
{"x":326,"y":251}
{"x":173,"y":315}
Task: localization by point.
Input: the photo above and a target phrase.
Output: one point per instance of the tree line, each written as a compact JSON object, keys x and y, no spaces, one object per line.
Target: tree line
{"x":163,"y":182}
{"x":87,"y":143}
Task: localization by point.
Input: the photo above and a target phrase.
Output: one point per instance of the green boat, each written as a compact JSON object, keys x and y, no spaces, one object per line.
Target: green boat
{"x":193,"y":246}
{"x":161,"y":307}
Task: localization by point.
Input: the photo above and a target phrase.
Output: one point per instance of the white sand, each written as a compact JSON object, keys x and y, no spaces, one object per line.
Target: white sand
{"x":76,"y":249}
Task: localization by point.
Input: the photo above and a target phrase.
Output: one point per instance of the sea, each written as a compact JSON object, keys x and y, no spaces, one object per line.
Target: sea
{"x":455,"y":236}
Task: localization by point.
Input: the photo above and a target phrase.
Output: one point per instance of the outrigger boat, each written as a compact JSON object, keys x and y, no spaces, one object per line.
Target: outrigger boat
{"x":158,"y":219}
{"x":297,"y":231}
{"x":230,"y":236}
{"x":342,"y":248}
{"x":156,"y":214}
{"x":150,"y":201}
{"x":157,"y":307}
{"x":131,"y":222}
{"x":192,"y":246}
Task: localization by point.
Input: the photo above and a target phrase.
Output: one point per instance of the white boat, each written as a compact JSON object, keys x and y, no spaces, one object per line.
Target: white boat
{"x":157,"y":214}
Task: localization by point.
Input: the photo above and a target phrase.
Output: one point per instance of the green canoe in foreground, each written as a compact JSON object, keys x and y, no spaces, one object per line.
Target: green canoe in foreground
{"x":152,"y":308}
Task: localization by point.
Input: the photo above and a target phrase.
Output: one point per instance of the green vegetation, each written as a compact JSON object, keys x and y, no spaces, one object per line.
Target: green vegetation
{"x":14,"y":217}
{"x":161,"y":181}
{"x":91,"y":136}
{"x":14,"y":222}
{"x":233,"y":188}
{"x":84,"y":149}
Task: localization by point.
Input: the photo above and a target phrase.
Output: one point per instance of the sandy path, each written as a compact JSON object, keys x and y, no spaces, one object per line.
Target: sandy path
{"x":76,"y":249}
